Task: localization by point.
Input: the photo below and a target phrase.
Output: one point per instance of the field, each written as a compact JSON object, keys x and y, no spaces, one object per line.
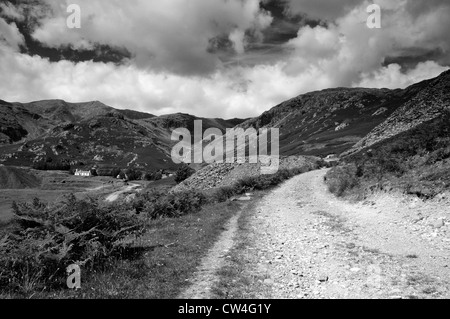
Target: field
{"x":147,"y":246}
{"x":22,"y":184}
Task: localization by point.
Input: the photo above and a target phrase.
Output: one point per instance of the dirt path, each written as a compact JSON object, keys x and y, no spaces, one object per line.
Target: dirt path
{"x":309,"y":244}
{"x":302,"y":242}
{"x":206,"y":275}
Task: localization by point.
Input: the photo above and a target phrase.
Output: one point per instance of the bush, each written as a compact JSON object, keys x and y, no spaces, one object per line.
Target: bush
{"x":183,"y":173}
{"x":50,"y":165}
{"x":341,"y":179}
{"x":48,"y":238}
{"x":157,"y":204}
{"x":402,"y":160}
{"x":157,"y":176}
{"x":262,"y":182}
{"x":114,"y":172}
{"x":222,"y":194}
{"x":133,"y":174}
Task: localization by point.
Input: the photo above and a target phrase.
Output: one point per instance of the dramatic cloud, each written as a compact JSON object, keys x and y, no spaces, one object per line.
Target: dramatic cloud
{"x":11,"y":11}
{"x":347,"y":51}
{"x":10,"y":35}
{"x":322,"y":9}
{"x":211,"y":57}
{"x":162,"y":35}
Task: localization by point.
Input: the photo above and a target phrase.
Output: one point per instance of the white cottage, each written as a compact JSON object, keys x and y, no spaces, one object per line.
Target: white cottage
{"x":83,"y":173}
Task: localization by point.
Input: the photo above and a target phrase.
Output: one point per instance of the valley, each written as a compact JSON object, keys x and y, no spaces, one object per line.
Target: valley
{"x":375,"y":225}
{"x":21,"y":184}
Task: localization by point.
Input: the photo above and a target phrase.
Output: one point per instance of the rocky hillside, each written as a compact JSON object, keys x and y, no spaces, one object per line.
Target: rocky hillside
{"x":89,"y":133}
{"x":334,"y":120}
{"x":218,"y":175}
{"x":339,"y":120}
{"x":428,"y":100}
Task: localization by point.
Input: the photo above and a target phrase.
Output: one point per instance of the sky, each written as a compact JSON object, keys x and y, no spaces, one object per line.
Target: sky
{"x":215,"y":58}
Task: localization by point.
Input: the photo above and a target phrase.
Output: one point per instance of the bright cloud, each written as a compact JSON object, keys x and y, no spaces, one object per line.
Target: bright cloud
{"x":172,"y":68}
{"x":10,"y":35}
{"x":162,"y":35}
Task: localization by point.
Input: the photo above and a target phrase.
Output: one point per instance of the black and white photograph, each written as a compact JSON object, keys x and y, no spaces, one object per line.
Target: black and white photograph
{"x":224,"y":155}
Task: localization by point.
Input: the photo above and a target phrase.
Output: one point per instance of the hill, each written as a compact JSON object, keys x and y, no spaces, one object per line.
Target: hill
{"x":334,"y":120}
{"x":220,"y":175}
{"x":90,"y":133}
{"x":427,"y":101}
{"x":18,"y":178}
{"x":416,"y":161}
{"x":339,"y":120}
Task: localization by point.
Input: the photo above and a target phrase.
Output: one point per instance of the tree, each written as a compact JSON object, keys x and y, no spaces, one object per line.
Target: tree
{"x":115,"y":172}
{"x":133,"y":174}
{"x":183,"y":173}
{"x":157,"y":176}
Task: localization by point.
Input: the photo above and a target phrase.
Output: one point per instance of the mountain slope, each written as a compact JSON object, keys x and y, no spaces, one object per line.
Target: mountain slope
{"x":430,"y":102}
{"x":334,"y":120}
{"x":339,"y":120}
{"x":90,"y":133}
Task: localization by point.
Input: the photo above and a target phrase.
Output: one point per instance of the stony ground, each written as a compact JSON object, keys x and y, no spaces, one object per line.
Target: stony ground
{"x":299,"y":241}
{"x":218,"y":175}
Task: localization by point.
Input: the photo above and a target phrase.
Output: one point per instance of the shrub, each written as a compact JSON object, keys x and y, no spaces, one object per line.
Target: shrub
{"x":49,"y":237}
{"x":133,"y":174}
{"x":152,"y":176}
{"x":157,"y":204}
{"x":50,"y":165}
{"x":157,"y":176}
{"x":222,"y":194}
{"x":114,"y":172}
{"x":341,"y":179}
{"x":411,"y":157}
{"x":183,"y":173}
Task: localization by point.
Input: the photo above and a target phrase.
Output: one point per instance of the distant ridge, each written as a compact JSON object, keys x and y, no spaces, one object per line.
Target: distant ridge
{"x":332,"y":121}
{"x":90,"y":133}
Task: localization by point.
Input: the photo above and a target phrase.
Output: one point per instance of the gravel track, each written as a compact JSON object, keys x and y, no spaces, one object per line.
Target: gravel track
{"x":300,"y":241}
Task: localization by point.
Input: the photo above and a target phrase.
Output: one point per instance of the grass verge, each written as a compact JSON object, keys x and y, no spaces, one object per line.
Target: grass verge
{"x":238,"y":279}
{"x":175,"y":232}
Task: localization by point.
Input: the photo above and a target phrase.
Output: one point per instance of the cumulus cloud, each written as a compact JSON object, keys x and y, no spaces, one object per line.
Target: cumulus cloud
{"x":350,"y":53}
{"x":172,"y":68}
{"x":241,"y":92}
{"x":10,"y":35}
{"x":392,"y":77}
{"x":162,"y":35}
{"x":322,"y":9}
{"x":10,"y":11}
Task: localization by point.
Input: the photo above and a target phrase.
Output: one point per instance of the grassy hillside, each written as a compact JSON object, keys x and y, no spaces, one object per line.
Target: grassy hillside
{"x":415,"y":162}
{"x":91,"y":133}
{"x":338,"y":120}
{"x":17,"y":178}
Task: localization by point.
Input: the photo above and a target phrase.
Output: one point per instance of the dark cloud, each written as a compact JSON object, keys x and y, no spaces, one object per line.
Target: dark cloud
{"x":214,"y":58}
{"x":419,"y":7}
{"x":322,"y":9}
